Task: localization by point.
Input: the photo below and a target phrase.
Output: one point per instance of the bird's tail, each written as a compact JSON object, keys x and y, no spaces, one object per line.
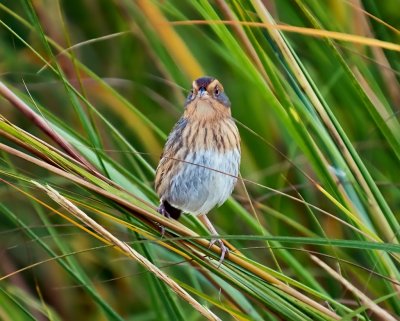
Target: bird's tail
{"x":172,"y":211}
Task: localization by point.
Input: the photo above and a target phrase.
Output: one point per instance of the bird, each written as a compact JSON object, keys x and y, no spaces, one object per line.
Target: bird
{"x":199,"y":165}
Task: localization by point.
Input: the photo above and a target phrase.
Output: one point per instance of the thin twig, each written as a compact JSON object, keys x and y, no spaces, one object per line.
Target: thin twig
{"x":366,"y":300}
{"x":317,"y":33}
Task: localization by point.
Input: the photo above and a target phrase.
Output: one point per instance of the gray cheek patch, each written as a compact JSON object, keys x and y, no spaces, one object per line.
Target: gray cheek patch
{"x":223,"y":99}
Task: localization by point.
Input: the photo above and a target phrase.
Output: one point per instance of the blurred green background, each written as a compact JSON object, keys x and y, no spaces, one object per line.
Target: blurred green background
{"x":318,"y":118}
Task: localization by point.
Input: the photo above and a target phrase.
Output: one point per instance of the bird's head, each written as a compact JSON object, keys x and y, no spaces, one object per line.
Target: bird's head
{"x":207,"y":99}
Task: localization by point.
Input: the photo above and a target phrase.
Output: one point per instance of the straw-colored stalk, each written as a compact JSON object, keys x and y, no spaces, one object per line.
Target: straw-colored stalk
{"x":126,"y":249}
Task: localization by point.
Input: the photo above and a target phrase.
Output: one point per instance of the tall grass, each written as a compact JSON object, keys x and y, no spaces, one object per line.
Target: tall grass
{"x":91,"y":89}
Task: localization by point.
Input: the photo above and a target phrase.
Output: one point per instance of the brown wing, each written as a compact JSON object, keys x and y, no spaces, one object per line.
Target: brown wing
{"x":168,"y":163}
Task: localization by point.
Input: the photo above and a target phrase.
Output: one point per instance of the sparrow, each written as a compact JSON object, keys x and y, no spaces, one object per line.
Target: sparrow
{"x":199,"y":165}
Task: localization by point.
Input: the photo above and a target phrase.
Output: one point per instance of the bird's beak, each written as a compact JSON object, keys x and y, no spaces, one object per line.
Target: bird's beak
{"x":202,"y":92}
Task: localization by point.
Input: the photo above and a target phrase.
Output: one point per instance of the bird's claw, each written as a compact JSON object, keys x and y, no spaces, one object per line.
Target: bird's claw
{"x":224,"y":249}
{"x":164,"y":213}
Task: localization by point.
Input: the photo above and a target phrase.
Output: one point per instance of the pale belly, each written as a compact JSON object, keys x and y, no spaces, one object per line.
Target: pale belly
{"x":196,"y":189}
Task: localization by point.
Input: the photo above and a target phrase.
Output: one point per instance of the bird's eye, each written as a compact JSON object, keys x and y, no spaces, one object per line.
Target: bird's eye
{"x":216,"y":91}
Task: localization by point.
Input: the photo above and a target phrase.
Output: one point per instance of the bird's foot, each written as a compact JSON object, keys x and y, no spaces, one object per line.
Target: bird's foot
{"x":224,"y":249}
{"x":161,"y":209}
